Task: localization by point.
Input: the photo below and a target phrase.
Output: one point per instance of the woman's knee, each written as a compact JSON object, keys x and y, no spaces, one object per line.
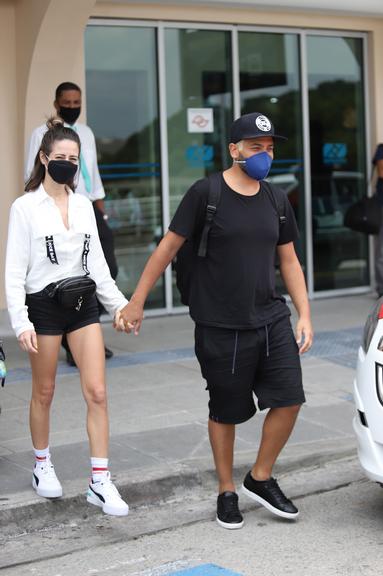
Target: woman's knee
{"x":96,"y":395}
{"x":43,"y":394}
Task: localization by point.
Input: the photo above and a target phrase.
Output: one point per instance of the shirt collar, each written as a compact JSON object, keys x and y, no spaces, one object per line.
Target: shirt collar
{"x":41,"y":195}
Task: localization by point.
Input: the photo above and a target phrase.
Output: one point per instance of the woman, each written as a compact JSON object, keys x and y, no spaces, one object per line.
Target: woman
{"x":53,"y":236}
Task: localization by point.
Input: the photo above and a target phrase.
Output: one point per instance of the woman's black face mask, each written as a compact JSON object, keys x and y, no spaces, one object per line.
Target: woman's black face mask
{"x":61,"y":171}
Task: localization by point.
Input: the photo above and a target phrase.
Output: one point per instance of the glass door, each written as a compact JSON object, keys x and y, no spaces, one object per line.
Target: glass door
{"x":270,"y":83}
{"x":338,"y":158}
{"x":122,"y":110}
{"x":199,"y":108}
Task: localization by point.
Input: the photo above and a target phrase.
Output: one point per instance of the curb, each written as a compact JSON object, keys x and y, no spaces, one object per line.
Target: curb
{"x":26,"y":512}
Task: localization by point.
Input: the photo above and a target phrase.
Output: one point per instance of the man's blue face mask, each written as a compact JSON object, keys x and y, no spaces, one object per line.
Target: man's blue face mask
{"x":256,"y":166}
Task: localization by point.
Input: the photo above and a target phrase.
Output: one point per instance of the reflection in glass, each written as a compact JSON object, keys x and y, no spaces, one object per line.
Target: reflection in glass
{"x":199,"y":107}
{"x":122,"y":110}
{"x":338,"y":165}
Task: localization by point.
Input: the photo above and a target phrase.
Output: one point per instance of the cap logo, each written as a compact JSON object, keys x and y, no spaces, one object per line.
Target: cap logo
{"x":263,"y":123}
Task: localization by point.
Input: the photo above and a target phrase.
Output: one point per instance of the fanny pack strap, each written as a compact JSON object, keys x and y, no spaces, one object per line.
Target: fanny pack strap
{"x":51,"y":252}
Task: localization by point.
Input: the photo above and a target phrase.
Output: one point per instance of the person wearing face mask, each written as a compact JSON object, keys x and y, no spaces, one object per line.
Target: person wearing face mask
{"x":68,"y":107}
{"x":53,"y":241}
{"x":244,"y":341}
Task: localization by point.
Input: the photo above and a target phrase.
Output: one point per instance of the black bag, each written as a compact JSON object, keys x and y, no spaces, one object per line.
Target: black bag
{"x":186,"y":255}
{"x":72,"y":292}
{"x":189,"y":251}
{"x":364,"y":216}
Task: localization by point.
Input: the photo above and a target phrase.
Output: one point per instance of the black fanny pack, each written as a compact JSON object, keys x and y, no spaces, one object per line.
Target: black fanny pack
{"x":73,"y":292}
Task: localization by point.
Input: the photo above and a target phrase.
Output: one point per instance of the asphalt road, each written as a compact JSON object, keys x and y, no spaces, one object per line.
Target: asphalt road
{"x":339,"y":532}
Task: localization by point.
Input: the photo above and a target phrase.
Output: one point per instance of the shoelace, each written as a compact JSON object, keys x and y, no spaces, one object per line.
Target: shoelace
{"x":108,"y":485}
{"x":231,"y":506}
{"x":47,"y":468}
{"x":273,"y":487}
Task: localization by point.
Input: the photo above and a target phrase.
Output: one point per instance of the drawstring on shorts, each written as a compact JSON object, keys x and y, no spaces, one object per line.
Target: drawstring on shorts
{"x":235,"y":352}
{"x":267,"y":341}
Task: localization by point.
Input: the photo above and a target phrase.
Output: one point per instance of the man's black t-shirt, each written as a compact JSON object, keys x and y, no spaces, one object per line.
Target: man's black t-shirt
{"x":234,"y":286}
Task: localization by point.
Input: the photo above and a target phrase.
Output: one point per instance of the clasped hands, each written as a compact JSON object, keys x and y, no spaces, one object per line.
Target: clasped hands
{"x":129,"y":318}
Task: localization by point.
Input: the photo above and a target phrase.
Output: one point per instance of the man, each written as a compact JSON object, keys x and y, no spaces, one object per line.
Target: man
{"x":243,"y":338}
{"x":68,"y":107}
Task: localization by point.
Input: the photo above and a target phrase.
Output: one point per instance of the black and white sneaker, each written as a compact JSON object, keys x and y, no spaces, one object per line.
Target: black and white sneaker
{"x":228,"y":514}
{"x":45,"y":481}
{"x":105,"y":495}
{"x":269,"y":494}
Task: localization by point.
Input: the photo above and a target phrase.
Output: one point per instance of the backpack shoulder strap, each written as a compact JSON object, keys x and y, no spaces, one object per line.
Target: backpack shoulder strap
{"x":277,"y":201}
{"x":214,"y":196}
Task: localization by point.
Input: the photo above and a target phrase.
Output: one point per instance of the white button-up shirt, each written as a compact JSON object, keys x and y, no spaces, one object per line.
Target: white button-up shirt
{"x":28,"y":269}
{"x":88,"y":153}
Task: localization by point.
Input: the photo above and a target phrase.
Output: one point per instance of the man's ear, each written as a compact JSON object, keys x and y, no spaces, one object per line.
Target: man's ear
{"x":56,"y":106}
{"x":234,"y":152}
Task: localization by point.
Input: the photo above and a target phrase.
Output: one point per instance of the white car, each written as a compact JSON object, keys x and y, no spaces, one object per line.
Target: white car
{"x":368,"y":395}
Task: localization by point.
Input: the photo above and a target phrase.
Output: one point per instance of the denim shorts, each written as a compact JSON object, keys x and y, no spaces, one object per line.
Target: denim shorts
{"x":49,"y":318}
{"x":240,"y":364}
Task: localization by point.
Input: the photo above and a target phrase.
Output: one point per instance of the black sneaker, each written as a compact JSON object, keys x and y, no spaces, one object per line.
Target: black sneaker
{"x":269,"y":494}
{"x":228,"y":514}
{"x":108,"y":353}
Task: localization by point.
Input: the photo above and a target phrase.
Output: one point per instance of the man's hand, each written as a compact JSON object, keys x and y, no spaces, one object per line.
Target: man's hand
{"x":304,"y":335}
{"x":131,"y":316}
{"x":28,"y":341}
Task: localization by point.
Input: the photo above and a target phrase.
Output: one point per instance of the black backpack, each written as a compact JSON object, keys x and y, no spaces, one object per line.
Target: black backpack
{"x":189,"y":251}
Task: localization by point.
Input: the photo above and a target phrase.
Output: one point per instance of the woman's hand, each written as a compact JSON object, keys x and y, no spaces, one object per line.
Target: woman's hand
{"x":28,"y":341}
{"x":118,"y":322}
{"x":131,"y":317}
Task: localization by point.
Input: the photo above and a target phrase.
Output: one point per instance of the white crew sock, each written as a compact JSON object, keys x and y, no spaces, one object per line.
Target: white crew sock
{"x":99,"y":468}
{"x":41,"y":455}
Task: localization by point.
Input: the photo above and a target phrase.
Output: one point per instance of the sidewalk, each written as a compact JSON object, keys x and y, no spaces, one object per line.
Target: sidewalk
{"x":158,"y":414}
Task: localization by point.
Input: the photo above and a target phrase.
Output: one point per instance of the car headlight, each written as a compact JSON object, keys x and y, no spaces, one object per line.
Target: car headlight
{"x":373,"y":318}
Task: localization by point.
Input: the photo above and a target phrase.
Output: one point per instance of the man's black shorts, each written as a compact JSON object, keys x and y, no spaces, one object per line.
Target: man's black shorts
{"x":49,"y":318}
{"x":238,"y":364}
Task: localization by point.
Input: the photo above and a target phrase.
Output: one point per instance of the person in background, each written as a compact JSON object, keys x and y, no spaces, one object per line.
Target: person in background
{"x":68,"y":107}
{"x":53,"y":236}
{"x":244,"y":341}
{"x":378,"y":164}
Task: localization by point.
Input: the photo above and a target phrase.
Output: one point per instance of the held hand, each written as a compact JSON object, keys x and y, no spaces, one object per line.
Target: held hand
{"x":118,"y":323}
{"x":131,"y":317}
{"x":28,"y":341}
{"x":304,"y":335}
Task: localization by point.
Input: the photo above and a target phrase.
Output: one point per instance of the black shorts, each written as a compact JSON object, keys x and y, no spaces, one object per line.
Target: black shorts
{"x":49,"y":318}
{"x":240,"y":363}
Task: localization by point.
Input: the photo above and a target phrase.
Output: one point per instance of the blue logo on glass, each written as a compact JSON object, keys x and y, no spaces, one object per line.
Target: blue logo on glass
{"x":199,"y":156}
{"x":334,"y":153}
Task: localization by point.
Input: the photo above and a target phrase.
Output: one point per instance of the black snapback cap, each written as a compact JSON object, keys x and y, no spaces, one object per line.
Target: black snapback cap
{"x":254,"y":125}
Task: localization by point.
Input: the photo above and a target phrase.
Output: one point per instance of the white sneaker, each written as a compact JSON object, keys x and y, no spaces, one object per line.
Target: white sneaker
{"x":45,"y":481}
{"x":105,"y":495}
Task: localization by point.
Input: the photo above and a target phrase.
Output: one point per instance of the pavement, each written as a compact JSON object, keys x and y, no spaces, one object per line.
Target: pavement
{"x":159,"y":444}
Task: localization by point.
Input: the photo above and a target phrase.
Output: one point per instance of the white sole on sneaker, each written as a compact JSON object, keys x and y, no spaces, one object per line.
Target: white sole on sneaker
{"x":92,"y":499}
{"x":44,"y":492}
{"x":267,"y":505}
{"x":229,"y":526}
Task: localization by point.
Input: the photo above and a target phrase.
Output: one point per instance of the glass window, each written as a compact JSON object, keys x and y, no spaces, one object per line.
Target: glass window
{"x":338,"y":164}
{"x":199,"y":107}
{"x":122,"y":110}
